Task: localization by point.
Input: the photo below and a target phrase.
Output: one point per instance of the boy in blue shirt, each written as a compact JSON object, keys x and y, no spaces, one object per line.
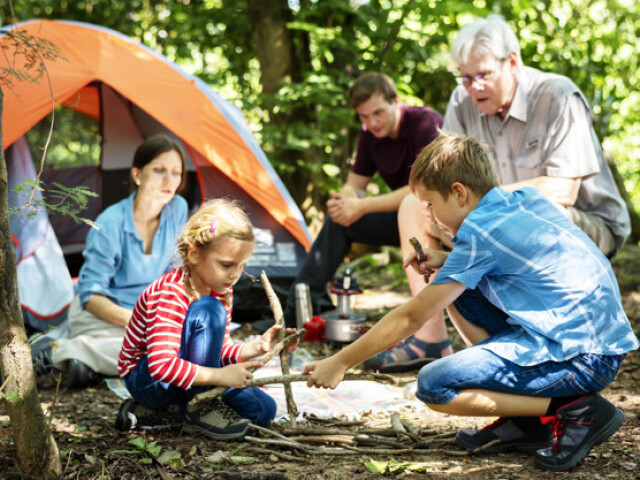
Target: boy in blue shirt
{"x":533,"y":297}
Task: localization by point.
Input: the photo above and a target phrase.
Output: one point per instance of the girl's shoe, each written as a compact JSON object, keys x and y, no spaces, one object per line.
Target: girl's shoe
{"x":216,"y":420}
{"x":132,"y":414}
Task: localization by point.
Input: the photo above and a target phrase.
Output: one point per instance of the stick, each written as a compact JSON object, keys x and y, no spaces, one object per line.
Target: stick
{"x":415,"y":243}
{"x":284,"y":456}
{"x":298,"y":377}
{"x":278,"y":317}
{"x":399,"y":428}
{"x":214,"y":392}
{"x":341,"y":439}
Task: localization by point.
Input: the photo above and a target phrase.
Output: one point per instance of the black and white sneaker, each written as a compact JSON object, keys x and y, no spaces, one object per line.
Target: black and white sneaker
{"x":132,"y":414}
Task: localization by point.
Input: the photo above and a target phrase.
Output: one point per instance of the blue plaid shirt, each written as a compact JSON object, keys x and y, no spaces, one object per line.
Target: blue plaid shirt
{"x":530,"y":261}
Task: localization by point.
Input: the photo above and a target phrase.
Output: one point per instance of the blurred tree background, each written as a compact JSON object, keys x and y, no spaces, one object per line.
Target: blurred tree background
{"x":287,"y":64}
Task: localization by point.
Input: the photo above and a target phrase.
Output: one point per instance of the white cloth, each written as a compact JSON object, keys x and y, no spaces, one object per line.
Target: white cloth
{"x":92,"y":341}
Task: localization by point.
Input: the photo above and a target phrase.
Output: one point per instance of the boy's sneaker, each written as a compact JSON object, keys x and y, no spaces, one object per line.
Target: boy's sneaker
{"x":523,"y":434}
{"x":578,"y":427}
{"x":217,"y":420}
{"x":132,"y":414}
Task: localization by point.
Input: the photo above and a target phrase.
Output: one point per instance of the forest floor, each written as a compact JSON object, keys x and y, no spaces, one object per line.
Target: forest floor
{"x":90,"y":447}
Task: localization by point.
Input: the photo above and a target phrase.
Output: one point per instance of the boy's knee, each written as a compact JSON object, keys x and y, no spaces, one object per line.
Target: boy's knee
{"x":434,"y":383}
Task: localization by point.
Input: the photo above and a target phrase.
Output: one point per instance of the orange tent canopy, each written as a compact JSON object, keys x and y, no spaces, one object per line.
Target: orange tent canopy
{"x":207,"y":124}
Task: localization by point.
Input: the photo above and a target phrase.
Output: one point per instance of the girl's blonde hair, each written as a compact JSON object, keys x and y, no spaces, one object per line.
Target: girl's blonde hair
{"x":214,"y":221}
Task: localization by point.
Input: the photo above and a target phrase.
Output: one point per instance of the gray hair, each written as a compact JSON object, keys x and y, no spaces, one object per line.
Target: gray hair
{"x":491,"y":35}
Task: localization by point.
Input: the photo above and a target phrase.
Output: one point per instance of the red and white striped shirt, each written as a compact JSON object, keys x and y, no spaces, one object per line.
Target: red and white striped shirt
{"x":155,"y":330}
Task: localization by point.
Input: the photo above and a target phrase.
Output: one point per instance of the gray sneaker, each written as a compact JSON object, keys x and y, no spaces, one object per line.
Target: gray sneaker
{"x":135,"y":415}
{"x":216,"y":420}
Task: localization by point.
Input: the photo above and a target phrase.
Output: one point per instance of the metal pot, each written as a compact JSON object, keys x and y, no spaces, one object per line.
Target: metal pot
{"x":340,"y":329}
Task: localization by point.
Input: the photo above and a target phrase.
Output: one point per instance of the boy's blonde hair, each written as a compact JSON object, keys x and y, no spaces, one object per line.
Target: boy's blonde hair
{"x":214,"y":221}
{"x":453,"y":158}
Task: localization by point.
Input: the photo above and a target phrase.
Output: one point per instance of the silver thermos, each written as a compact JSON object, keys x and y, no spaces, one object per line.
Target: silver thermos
{"x":304,"y":310}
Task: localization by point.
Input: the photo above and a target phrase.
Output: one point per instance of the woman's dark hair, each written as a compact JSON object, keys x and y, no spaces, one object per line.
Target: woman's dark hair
{"x":157,"y":145}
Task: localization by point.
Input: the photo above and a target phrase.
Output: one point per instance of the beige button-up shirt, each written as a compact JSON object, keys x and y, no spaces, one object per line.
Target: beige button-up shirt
{"x":547,"y":132}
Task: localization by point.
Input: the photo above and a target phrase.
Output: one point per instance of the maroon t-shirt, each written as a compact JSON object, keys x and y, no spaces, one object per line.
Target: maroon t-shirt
{"x":393,"y":157}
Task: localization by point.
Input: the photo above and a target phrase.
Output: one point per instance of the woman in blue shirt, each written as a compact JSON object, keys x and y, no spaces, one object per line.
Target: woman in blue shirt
{"x":132,"y":246}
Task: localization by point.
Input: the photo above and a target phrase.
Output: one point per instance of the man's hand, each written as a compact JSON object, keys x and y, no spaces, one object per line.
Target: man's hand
{"x":324,"y":374}
{"x":344,"y":210}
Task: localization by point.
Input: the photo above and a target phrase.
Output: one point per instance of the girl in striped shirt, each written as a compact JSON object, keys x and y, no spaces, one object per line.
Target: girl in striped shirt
{"x":177,"y":343}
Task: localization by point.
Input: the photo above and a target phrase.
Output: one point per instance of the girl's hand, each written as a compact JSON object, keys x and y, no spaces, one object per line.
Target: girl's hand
{"x":234,"y":376}
{"x":269,"y":339}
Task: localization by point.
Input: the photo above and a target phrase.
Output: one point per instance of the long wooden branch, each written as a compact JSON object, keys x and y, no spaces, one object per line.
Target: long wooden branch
{"x":298,"y":377}
{"x":278,"y":317}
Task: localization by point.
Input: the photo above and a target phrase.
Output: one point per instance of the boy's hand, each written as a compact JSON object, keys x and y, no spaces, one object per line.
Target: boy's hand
{"x":435,"y":259}
{"x":234,"y":376}
{"x":324,"y":374}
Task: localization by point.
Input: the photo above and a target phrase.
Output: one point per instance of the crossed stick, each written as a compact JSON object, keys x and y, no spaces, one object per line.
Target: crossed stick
{"x":286,"y":378}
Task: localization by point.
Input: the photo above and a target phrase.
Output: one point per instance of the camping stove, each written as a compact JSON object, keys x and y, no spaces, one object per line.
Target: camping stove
{"x":343,"y":325}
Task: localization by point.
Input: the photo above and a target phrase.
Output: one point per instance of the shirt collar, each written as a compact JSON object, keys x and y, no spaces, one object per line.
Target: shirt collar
{"x":496,"y":195}
{"x":518,"y":109}
{"x":129,"y":225}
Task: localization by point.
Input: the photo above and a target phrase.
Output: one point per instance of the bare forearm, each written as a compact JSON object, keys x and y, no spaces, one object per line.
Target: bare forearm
{"x":105,"y":309}
{"x":208,"y":376}
{"x":560,"y":190}
{"x":400,"y":323}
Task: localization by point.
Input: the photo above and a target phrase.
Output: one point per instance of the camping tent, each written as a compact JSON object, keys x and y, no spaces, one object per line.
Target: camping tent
{"x":135,"y":92}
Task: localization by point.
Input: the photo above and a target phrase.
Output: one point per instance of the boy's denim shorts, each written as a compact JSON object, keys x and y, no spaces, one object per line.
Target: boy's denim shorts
{"x":477,"y":368}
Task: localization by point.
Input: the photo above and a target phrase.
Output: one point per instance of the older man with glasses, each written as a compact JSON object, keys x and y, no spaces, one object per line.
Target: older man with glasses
{"x":538,"y":129}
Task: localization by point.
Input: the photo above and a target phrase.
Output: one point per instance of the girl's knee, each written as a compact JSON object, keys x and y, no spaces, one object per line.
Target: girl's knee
{"x":207,"y":311}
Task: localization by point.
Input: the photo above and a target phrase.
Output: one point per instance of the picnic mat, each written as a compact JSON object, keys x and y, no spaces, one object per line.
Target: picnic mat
{"x":350,"y":400}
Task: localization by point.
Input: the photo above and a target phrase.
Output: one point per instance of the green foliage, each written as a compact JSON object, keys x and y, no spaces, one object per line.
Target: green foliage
{"x":33,"y":51}
{"x":593,"y":42}
{"x":11,"y":397}
{"x":147,"y":450}
{"x":69,"y":201}
{"x":395,"y":467}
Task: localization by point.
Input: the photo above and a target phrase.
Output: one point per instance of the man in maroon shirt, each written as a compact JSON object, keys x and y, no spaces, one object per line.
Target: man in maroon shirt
{"x":392,"y":136}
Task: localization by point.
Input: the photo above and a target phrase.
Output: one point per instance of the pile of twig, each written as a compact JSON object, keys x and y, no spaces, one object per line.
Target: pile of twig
{"x":351,"y":438}
{"x":402,"y":437}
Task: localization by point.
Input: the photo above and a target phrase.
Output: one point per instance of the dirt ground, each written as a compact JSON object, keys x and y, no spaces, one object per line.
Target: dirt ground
{"x":91,"y":448}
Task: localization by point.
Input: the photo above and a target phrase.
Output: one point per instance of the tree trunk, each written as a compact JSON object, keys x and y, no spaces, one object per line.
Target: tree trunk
{"x":37,"y":452}
{"x":281,"y":63}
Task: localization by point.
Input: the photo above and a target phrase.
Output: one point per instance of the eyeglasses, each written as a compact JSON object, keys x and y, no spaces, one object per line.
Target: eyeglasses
{"x":480,"y":79}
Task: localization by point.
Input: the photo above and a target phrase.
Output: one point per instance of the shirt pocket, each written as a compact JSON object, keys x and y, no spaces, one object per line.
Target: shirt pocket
{"x":529,"y":162}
